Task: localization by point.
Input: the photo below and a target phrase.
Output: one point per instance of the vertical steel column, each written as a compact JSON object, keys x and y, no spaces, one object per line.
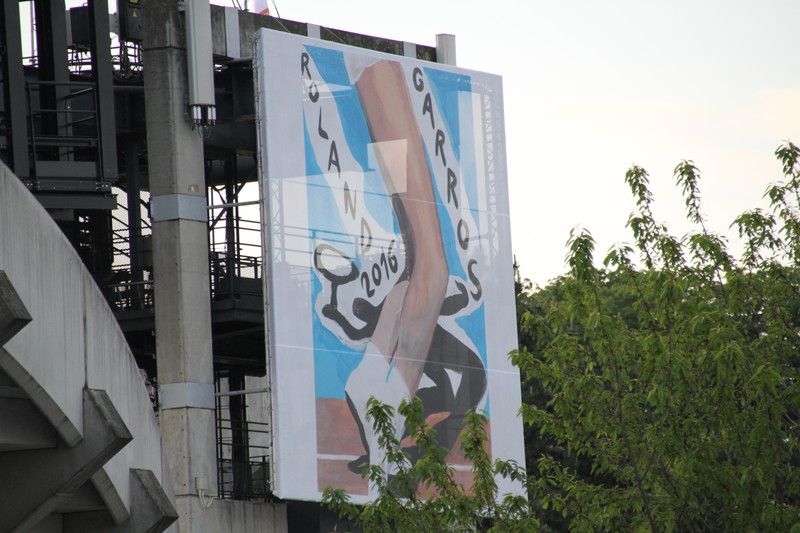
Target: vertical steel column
{"x":133,"y":185}
{"x":51,"y":42}
{"x":231,"y":214}
{"x":14,"y":88}
{"x":240,"y":440}
{"x":102,"y":76}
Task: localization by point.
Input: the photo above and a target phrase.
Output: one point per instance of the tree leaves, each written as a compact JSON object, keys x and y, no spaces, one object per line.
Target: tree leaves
{"x":447,"y":505}
{"x":669,"y":409}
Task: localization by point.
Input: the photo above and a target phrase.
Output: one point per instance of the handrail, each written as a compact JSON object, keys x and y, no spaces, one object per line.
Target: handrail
{"x":88,"y":84}
{"x":242,"y":479}
{"x":69,"y":132}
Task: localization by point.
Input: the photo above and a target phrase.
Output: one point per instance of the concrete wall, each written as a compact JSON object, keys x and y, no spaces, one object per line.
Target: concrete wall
{"x":250,"y":23}
{"x":73,"y":341}
{"x":232,"y":516}
{"x":52,"y":348}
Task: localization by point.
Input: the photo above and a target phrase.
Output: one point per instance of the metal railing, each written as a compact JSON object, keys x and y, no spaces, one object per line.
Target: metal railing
{"x":131,"y":295}
{"x":234,"y":277}
{"x":234,"y":235}
{"x":244,"y":480}
{"x":126,"y":60}
{"x":70,"y":119}
{"x":130,"y":287}
{"x":243,"y":469}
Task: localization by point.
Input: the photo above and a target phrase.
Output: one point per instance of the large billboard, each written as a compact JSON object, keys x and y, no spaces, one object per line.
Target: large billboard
{"x":388,"y":256}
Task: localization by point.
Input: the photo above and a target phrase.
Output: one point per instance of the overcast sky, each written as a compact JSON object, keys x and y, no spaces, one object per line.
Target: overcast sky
{"x":593,"y":87}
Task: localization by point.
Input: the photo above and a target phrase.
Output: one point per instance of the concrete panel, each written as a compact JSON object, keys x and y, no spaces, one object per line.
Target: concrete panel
{"x":13,"y":314}
{"x":152,"y":510}
{"x":178,"y":166}
{"x":107,"y":492}
{"x":183,"y":314}
{"x":22,"y":426}
{"x":219,"y":25}
{"x":180,"y":259}
{"x":254,"y":517}
{"x":167,"y":27}
{"x":250,"y":23}
{"x":48,"y":277}
{"x":34,"y":481}
{"x":111,"y":367}
{"x":191,"y":449}
{"x":231,"y":32}
{"x":46,"y":404}
{"x":86,"y":498}
{"x":72,"y":343}
{"x":51,"y":524}
{"x":235,"y":516}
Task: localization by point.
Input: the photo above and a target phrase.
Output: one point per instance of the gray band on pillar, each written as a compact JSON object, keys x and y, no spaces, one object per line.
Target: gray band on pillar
{"x":186,"y":394}
{"x":179,"y":206}
{"x":313,"y":30}
{"x":409,"y":50}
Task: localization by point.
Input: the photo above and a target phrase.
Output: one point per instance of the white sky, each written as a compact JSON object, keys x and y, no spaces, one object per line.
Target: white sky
{"x":592,"y":87}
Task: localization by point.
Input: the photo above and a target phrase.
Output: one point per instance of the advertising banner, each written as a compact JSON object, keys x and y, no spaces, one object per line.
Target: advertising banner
{"x":388,"y":257}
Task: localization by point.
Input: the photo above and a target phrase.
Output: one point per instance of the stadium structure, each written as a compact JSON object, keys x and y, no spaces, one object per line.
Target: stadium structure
{"x":132,"y":352}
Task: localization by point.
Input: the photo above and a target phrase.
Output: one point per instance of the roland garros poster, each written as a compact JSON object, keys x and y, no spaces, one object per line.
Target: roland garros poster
{"x":387,"y":257}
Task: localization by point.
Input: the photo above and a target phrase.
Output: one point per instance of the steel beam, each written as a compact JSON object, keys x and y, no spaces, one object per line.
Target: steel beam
{"x":103,"y":78}
{"x":14,"y":88}
{"x":51,"y":43}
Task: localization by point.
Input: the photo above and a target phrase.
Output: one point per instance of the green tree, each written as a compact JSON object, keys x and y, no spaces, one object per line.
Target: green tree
{"x":449,"y":506}
{"x":675,"y":382}
{"x":539,"y":302}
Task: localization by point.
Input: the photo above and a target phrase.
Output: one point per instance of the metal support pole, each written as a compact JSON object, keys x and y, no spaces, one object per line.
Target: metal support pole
{"x":14,"y":88}
{"x":134,"y":208}
{"x":231,"y":244}
{"x":240,"y":450}
{"x":51,"y":42}
{"x":102,"y":76}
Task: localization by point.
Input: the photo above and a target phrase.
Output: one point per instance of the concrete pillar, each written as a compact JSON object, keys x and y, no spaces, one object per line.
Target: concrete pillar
{"x":180,"y":264}
{"x":446,"y":48}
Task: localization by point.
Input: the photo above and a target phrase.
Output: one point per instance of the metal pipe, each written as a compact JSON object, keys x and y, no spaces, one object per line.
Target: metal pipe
{"x":234,"y":204}
{"x":241,"y":392}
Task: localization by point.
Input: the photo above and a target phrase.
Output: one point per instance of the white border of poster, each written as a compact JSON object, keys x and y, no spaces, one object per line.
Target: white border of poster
{"x":387,"y":256}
